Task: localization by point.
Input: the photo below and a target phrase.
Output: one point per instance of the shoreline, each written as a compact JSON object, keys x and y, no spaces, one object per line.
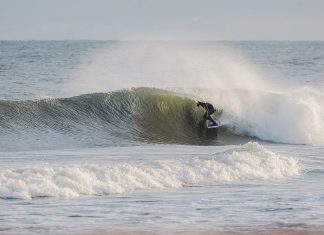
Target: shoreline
{"x":275,"y":231}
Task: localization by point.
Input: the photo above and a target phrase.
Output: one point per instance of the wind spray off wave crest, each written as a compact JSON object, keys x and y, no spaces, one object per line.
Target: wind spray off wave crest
{"x":122,"y":65}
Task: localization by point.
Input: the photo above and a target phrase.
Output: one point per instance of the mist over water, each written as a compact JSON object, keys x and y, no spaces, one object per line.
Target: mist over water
{"x":181,"y":65}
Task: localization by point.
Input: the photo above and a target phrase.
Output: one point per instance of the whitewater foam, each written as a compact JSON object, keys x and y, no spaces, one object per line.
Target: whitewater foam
{"x":247,"y":163}
{"x":295,"y":116}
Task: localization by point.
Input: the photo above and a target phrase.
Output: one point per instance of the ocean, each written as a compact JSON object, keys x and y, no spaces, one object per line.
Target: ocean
{"x":104,"y":137}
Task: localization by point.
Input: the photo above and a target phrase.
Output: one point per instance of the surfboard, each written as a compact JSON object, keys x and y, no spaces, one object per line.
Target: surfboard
{"x":212,"y":126}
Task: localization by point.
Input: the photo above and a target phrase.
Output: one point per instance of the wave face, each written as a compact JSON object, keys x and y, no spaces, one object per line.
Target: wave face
{"x":248,"y":163}
{"x":106,"y":119}
{"x":149,"y":115}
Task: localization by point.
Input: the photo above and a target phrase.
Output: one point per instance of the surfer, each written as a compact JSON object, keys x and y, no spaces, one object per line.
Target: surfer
{"x":209,"y":111}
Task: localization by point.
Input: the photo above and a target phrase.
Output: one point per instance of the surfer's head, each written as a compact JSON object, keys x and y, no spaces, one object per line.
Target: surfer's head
{"x":199,"y":103}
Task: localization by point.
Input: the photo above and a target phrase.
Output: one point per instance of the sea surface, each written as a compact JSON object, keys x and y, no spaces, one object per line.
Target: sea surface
{"x":106,"y":137}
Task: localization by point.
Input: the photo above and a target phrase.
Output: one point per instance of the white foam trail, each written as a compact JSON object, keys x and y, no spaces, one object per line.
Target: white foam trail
{"x":247,"y":163}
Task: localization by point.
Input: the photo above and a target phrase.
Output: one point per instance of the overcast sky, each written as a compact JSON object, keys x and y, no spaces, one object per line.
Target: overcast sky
{"x":162,"y":19}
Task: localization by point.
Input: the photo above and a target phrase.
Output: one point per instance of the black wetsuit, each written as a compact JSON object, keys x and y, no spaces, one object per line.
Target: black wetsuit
{"x":209,"y":111}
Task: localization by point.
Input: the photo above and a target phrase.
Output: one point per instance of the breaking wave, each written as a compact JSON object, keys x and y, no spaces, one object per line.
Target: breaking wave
{"x":248,"y":163}
{"x":149,"y":115}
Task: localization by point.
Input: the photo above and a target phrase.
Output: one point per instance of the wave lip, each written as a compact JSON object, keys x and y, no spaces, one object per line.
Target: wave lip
{"x":248,"y":163}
